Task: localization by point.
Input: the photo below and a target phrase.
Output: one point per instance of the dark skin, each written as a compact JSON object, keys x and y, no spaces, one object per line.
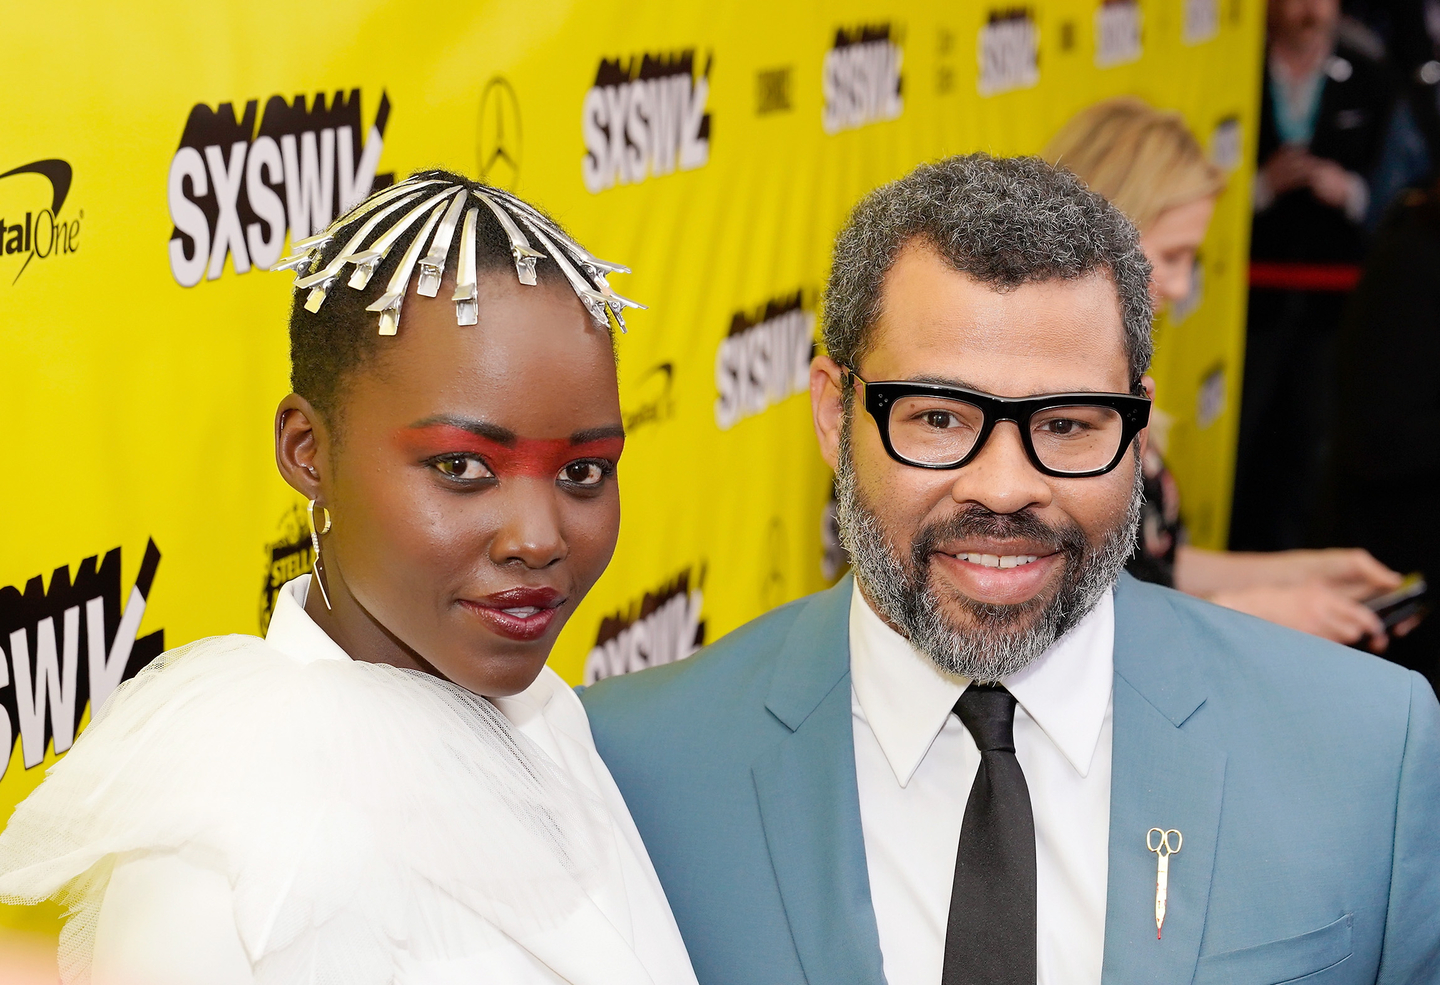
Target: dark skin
{"x":937,"y":323}
{"x":471,"y":485}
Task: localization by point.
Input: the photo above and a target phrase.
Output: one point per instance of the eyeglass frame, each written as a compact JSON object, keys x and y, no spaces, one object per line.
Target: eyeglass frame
{"x":879,"y":396}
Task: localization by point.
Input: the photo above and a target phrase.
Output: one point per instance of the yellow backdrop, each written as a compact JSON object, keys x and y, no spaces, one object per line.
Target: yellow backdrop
{"x":161,"y":151}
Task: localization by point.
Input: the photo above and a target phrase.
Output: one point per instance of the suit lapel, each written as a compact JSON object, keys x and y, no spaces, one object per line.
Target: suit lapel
{"x":810,"y":804}
{"x":1162,"y":776}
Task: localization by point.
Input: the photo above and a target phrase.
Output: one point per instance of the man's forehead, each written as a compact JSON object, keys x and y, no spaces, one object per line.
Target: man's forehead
{"x":938,"y":321}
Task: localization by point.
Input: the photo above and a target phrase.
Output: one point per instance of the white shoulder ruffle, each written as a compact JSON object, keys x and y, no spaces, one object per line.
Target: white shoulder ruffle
{"x":367,"y":818}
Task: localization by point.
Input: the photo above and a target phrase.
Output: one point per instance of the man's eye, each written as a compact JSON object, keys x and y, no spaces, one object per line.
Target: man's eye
{"x":1062,"y":426}
{"x":463,"y":467}
{"x":586,"y":474}
{"x":940,"y":419}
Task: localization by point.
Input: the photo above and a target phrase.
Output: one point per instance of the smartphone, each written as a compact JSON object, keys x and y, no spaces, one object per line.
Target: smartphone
{"x":1410,"y":599}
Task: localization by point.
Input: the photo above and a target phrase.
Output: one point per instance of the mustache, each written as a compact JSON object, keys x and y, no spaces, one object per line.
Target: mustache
{"x":977,"y":521}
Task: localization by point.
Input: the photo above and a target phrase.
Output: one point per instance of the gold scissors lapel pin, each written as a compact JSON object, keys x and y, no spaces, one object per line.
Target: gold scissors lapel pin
{"x":1164,"y":844}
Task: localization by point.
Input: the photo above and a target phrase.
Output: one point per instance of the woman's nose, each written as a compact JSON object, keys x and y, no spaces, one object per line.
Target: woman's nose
{"x":530,"y":531}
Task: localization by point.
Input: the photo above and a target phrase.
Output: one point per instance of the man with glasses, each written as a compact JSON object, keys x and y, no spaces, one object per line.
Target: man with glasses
{"x":990,"y":757}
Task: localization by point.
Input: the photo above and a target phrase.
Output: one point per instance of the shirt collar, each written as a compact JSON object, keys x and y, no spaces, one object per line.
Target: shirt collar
{"x":293,"y":632}
{"x":907,"y":699}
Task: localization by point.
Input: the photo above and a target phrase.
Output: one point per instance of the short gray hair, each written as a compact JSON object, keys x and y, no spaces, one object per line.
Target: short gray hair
{"x":1006,"y":221}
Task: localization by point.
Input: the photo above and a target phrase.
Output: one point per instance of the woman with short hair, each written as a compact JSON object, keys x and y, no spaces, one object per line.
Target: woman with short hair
{"x":391,"y":786}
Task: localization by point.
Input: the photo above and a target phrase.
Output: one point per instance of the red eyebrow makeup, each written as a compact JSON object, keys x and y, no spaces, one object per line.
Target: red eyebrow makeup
{"x":537,"y":457}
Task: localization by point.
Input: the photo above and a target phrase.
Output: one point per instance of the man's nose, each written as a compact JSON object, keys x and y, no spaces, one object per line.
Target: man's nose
{"x":1001,"y":478}
{"x":531,"y":531}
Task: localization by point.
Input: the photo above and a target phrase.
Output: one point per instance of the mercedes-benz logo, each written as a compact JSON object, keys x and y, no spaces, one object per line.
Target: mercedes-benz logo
{"x":498,"y":143}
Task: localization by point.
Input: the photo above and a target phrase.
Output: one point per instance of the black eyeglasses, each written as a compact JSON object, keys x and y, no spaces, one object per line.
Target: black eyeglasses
{"x":1070,"y":435}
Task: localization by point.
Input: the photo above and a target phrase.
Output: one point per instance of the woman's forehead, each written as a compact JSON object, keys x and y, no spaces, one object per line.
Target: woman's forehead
{"x":535,"y":363}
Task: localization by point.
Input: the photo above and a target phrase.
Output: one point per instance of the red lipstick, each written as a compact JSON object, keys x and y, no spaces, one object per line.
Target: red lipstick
{"x":521,"y":613}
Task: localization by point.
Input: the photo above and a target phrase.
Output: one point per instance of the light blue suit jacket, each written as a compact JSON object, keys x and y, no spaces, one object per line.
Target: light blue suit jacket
{"x":1305,"y":777}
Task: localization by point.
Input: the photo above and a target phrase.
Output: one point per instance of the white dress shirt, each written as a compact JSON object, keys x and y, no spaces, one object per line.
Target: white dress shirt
{"x":915,"y":763}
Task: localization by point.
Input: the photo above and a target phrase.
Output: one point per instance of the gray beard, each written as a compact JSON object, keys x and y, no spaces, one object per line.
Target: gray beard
{"x":1001,"y":640}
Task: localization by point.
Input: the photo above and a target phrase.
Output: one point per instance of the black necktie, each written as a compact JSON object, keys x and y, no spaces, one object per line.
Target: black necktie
{"x":991,"y":936}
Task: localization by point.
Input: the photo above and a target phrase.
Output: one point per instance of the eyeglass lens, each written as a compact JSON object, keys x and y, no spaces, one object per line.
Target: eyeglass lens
{"x":941,"y":431}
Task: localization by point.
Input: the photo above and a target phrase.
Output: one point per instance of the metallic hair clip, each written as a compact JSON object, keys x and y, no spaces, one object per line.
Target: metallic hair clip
{"x":295,"y":261}
{"x":367,"y":260}
{"x":368,"y":205}
{"x":419,"y":203}
{"x":525,"y":255}
{"x":595,"y":268}
{"x":432,"y":268}
{"x":594,"y":292}
{"x":593,"y":300}
{"x":319,"y":283}
{"x":307,"y":249}
{"x":467,"y":291}
{"x":587,"y":259}
{"x":389,"y":303}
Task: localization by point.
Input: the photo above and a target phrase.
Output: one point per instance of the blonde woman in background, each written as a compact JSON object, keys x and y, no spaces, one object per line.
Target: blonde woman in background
{"x":1149,"y":165}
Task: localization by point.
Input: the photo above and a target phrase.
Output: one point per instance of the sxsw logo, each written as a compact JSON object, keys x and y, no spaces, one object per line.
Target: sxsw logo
{"x":237,"y":186}
{"x":1009,"y":52}
{"x":645,"y":117}
{"x":661,"y":627}
{"x":764,"y":358}
{"x":861,"y":78}
{"x":1227,"y":144}
{"x":30,"y":221}
{"x":1117,"y":33}
{"x":67,"y":646}
{"x":1201,"y":21}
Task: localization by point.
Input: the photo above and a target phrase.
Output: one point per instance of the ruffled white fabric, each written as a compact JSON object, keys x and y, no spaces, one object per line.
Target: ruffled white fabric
{"x":375,"y":825}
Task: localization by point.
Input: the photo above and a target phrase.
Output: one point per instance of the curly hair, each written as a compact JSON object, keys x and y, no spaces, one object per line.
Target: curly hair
{"x":1003,"y":221}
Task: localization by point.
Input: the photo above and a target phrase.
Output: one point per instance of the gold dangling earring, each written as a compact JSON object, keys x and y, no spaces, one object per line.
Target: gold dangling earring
{"x":315,"y":542}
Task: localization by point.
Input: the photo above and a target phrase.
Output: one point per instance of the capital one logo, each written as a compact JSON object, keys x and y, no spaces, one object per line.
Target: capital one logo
{"x":236,"y":187}
{"x":30,"y":224}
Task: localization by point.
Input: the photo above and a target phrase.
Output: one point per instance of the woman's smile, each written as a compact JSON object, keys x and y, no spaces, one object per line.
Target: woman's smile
{"x":520,"y":613}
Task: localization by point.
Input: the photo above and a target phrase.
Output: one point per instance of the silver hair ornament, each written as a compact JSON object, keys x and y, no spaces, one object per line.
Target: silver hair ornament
{"x":389,"y":303}
{"x":451,"y":212}
{"x":320,"y":282}
{"x":309,"y":248}
{"x":520,"y":248}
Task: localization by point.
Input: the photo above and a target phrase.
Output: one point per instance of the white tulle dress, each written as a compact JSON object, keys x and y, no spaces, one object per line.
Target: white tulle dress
{"x":271,"y":811}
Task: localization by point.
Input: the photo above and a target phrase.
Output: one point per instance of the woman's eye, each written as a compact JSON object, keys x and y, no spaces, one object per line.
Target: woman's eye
{"x":587,"y":474}
{"x":463,"y":467}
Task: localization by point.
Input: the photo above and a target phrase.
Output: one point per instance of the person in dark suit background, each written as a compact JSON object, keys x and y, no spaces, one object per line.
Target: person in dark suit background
{"x":1384,"y":481}
{"x":1324,"y":113}
{"x":1415,"y":54}
{"x":1406,"y":33}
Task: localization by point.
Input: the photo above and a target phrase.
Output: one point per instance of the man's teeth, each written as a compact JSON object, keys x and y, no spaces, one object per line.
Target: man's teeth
{"x":523,"y":612}
{"x":998,"y":560}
